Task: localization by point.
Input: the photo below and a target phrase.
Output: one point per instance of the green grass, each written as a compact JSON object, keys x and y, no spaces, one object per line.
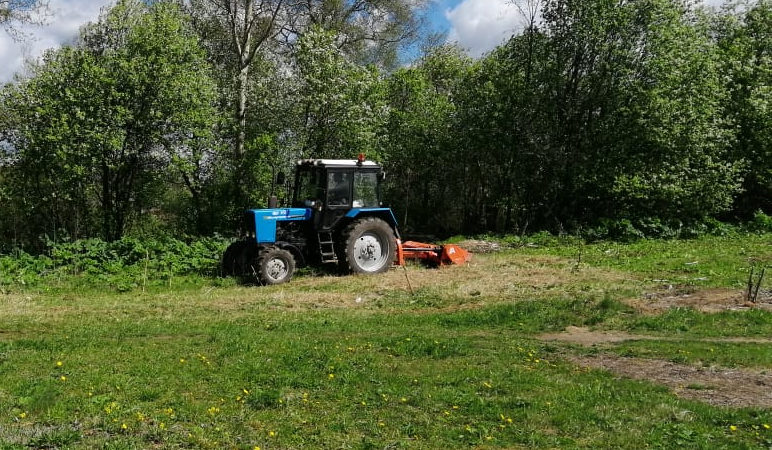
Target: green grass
{"x":209,"y":364}
{"x":715,"y":261}
{"x":723,"y":354}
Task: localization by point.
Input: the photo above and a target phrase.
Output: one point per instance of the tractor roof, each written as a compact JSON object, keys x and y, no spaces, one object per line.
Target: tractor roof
{"x":337,"y":163}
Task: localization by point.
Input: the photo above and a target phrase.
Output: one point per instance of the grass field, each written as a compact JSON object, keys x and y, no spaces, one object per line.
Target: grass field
{"x":360,"y":362}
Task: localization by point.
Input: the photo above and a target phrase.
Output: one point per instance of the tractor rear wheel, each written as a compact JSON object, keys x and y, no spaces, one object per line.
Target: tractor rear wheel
{"x":274,"y":266}
{"x":369,"y":246}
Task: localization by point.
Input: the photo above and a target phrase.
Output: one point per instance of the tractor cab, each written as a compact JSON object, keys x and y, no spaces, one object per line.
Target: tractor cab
{"x":331,"y":188}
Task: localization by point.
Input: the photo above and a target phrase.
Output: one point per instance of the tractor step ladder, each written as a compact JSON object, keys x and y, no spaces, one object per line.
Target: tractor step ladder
{"x":327,"y":247}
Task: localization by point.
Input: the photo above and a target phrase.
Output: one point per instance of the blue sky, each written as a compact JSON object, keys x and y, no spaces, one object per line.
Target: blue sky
{"x":476,"y":25}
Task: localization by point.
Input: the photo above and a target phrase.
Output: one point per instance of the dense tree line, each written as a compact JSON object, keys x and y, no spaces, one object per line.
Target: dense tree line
{"x":171,"y":117}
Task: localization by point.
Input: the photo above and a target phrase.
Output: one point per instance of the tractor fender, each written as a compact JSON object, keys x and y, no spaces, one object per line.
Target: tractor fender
{"x":300,"y":260}
{"x":385,"y":214}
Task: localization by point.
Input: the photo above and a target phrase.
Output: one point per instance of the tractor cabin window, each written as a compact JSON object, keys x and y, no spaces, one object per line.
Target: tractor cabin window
{"x":365,"y":190}
{"x":307,"y":188}
{"x":339,"y":188}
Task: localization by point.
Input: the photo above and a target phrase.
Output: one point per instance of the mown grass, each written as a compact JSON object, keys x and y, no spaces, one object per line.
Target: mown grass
{"x":723,"y":354}
{"x":330,"y":362}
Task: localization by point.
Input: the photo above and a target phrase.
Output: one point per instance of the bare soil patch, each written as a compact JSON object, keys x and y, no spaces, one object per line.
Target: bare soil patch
{"x":720,"y":387}
{"x":703,"y":300}
{"x":589,"y":338}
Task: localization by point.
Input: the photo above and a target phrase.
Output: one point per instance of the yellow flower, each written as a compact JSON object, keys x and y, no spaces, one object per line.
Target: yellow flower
{"x":63,"y":378}
{"x":381,"y":424}
{"x":59,"y":364}
{"x":124,"y":426}
{"x":486,"y":384}
{"x":766,"y":426}
{"x":257,"y":447}
{"x":733,"y":428}
{"x":182,"y":360}
{"x":246,"y":392}
{"x":272,"y":433}
{"x":162,"y":426}
{"x":364,"y":403}
{"x":403,"y":400}
{"x":331,"y":376}
{"x":455,"y":406}
{"x":22,"y":415}
{"x":509,"y":420}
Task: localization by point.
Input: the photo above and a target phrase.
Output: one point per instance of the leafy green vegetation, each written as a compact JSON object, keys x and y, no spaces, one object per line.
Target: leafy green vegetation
{"x":123,"y":265}
{"x":615,"y":120}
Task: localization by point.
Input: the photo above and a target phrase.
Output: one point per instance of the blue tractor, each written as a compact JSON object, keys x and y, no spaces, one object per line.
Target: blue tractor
{"x":336,"y":217}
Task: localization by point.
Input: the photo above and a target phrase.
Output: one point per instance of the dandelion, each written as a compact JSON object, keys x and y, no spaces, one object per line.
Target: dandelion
{"x":162,"y":426}
{"x":455,"y":406}
{"x":381,"y":424}
{"x":331,"y":376}
{"x":766,"y":426}
{"x":272,"y":434}
{"x":509,"y":420}
{"x":364,"y":403}
{"x":182,"y":360}
{"x":23,"y":415}
{"x":246,"y":392}
{"x":63,"y":378}
{"x":212,"y":410}
{"x":257,"y":447}
{"x":124,"y":426}
{"x":733,"y":428}
{"x":403,"y":400}
{"x":169,"y":411}
{"x":59,"y":364}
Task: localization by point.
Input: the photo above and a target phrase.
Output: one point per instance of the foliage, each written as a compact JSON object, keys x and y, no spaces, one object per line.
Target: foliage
{"x":618,"y":120}
{"x":93,"y":152}
{"x":339,"y":103}
{"x":124,"y":264}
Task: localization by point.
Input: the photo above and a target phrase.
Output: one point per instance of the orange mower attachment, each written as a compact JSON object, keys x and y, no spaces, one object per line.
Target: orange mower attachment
{"x":440,"y":255}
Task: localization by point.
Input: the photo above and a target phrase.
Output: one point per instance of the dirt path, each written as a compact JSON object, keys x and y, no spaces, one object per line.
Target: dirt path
{"x":588,"y":338}
{"x":720,"y":387}
{"x":716,"y":386}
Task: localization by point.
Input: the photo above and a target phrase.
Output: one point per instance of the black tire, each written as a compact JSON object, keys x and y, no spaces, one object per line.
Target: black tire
{"x":231,"y":259}
{"x":274,"y":266}
{"x":369,"y":246}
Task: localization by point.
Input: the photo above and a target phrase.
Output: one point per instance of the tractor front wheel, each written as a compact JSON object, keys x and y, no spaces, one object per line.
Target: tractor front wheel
{"x":370,"y":246}
{"x":274,"y":266}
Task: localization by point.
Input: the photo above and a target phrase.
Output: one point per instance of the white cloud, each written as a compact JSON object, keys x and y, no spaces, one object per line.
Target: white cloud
{"x":481,"y":25}
{"x":67,"y":16}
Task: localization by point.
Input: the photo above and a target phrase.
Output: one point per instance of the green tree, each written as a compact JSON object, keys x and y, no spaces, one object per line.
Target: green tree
{"x":421,"y":149}
{"x":99,"y":124}
{"x":340,"y":107}
{"x":744,"y":34}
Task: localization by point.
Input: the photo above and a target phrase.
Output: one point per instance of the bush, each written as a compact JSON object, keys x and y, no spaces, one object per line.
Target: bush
{"x":761,"y":222}
{"x":123,"y":264}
